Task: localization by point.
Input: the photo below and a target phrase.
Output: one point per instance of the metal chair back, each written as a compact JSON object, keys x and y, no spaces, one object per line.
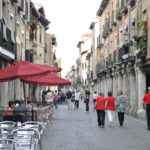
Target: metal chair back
{"x":25,"y":138}
{"x":6,"y":144}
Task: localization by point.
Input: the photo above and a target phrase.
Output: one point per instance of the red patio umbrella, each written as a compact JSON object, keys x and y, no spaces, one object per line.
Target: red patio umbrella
{"x":46,"y":79}
{"x":24,"y":68}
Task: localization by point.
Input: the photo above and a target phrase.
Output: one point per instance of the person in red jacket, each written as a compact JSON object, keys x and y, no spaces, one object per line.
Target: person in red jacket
{"x":100,"y":108}
{"x":110,"y":107}
{"x":146,"y":100}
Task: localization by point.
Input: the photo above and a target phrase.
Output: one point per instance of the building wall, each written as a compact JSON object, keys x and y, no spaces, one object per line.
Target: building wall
{"x":7,"y":13}
{"x":49,"y":50}
{"x":124,"y":57}
{"x":19,"y":18}
{"x":39,"y":49}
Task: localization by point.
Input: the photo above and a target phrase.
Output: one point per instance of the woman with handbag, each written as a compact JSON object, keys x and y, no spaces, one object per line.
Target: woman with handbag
{"x":122,"y":105}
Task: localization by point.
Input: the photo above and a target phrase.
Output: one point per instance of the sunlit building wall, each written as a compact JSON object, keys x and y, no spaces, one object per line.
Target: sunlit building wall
{"x":123,"y":50}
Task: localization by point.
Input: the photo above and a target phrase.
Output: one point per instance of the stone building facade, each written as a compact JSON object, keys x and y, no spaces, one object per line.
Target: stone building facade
{"x":124,"y":50}
{"x":7,"y":44}
{"x":23,"y":29}
{"x":85,"y":60}
{"x":49,"y":52}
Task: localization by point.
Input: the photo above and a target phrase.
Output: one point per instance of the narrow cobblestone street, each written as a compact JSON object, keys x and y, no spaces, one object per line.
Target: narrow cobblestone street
{"x":78,"y":130}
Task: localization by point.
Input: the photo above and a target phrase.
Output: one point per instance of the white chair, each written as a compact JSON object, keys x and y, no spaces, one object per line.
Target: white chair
{"x":25,"y":138}
{"x":8,"y":124}
{"x":6,"y":144}
{"x":39,"y":126}
{"x":5,"y":128}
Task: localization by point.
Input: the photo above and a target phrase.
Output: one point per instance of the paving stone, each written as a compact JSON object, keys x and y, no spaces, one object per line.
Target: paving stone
{"x":78,"y":130}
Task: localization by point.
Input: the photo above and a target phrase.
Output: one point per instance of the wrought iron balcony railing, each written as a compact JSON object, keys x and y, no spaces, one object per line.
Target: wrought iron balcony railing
{"x":100,"y":67}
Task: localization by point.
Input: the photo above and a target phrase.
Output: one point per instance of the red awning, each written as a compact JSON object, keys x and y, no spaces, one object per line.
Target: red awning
{"x":46,"y":79}
{"x":24,"y":68}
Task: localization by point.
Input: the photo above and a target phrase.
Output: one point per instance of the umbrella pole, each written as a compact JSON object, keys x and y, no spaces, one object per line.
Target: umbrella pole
{"x":24,"y":92}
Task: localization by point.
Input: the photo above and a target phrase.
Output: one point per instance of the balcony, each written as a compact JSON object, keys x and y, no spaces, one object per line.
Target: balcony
{"x":142,"y":26}
{"x":142,"y":43}
{"x":113,"y":20}
{"x":54,"y":42}
{"x":132,"y":3}
{"x":44,"y":21}
{"x":123,"y":53}
{"x":125,"y":10}
{"x":34,"y":11}
{"x":100,"y":45}
{"x":90,"y":76}
{"x":142,"y":39}
{"x":99,"y":42}
{"x":115,"y":57}
{"x":106,"y":30}
{"x":29,"y":55}
{"x":118,"y":14}
{"x":109,"y":61}
{"x":100,"y":67}
{"x":7,"y":39}
{"x":20,"y":6}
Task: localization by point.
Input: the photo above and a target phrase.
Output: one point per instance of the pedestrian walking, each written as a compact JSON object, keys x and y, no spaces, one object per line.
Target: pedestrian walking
{"x":110,"y":107}
{"x":55,"y":100}
{"x":94,"y":99}
{"x":77,"y":99}
{"x":121,"y":107}
{"x":43,"y":97}
{"x":146,"y":100}
{"x":69,"y":97}
{"x":87,"y":100}
{"x":17,"y":112}
{"x":49,"y":98}
{"x":9,"y":112}
{"x":100,"y":108}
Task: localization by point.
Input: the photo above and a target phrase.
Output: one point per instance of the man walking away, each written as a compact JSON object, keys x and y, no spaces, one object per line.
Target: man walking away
{"x":77,"y":99}
{"x":146,"y":100}
{"x":69,"y":96}
{"x":100,"y":108}
{"x":122,"y":104}
{"x":87,"y":100}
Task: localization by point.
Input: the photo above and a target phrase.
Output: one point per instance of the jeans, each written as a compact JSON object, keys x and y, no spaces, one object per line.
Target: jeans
{"x":87,"y":107}
{"x":148,"y":115}
{"x":76,"y":104}
{"x":101,"y":117}
{"x":121,"y":118}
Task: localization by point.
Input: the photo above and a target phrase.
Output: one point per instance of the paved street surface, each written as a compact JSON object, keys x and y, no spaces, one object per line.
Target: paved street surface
{"x":78,"y":130}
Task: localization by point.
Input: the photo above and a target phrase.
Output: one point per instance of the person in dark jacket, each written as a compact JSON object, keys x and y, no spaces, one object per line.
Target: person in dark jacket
{"x":100,"y":108}
{"x":9,"y":112}
{"x":68,"y":97}
{"x":87,"y":100}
